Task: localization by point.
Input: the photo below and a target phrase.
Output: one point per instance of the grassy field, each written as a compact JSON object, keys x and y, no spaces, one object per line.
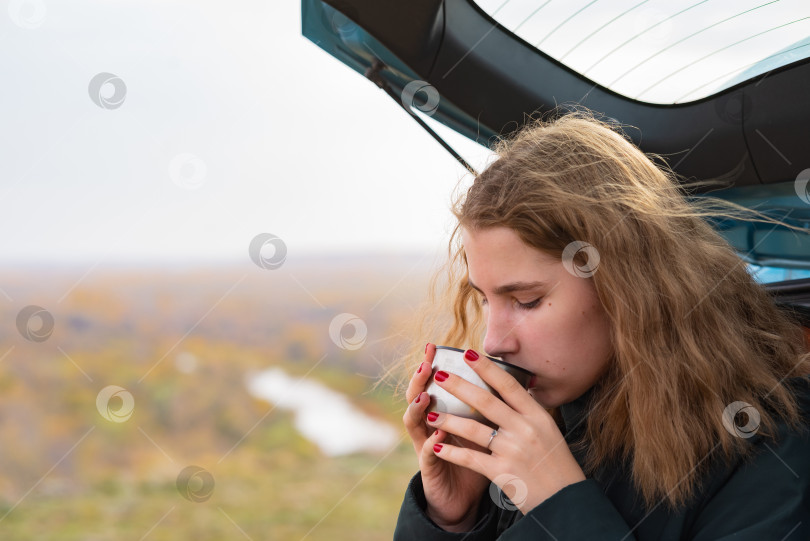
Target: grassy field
{"x":71,"y":474}
{"x":272,"y":494}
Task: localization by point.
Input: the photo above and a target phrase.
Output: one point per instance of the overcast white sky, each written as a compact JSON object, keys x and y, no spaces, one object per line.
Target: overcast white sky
{"x":275,"y":135}
{"x":284,"y":138}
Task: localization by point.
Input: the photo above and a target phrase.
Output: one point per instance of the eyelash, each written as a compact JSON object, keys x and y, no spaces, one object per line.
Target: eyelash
{"x":529,"y":305}
{"x":522,"y":306}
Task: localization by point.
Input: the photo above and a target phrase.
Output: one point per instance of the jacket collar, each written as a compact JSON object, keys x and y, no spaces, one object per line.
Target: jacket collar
{"x":575,"y":412}
{"x":574,"y":415}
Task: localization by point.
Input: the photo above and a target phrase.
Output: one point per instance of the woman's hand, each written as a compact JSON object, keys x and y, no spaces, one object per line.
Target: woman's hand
{"x":452,"y":492}
{"x":529,"y":458}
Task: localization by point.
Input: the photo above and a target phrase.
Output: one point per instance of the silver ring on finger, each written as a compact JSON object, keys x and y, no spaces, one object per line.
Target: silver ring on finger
{"x":492,"y":437}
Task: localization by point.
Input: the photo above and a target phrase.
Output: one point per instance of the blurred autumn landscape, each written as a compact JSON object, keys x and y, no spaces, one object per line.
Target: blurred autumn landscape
{"x":185,"y":342}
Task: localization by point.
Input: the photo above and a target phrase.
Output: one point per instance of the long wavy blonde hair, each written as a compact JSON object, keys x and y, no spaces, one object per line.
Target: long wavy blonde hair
{"x":692,"y":332}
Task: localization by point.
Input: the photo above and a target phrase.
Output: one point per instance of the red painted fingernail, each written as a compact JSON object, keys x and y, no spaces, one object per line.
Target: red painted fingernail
{"x":435,"y":432}
{"x":432,"y":416}
{"x":420,"y":368}
{"x":441,"y":375}
{"x":437,"y":447}
{"x":470,"y":355}
{"x":418,"y":397}
{"x":426,"y":345}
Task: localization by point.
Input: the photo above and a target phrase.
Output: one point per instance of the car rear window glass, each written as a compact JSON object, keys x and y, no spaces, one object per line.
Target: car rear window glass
{"x":660,"y":51}
{"x":766,"y":275}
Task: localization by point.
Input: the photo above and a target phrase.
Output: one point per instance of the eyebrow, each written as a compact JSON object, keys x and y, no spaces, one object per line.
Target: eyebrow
{"x":511,"y":288}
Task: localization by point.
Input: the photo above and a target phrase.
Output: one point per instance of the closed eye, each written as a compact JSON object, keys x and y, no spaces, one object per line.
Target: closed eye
{"x":521,"y":305}
{"x":512,"y":288}
{"x":529,"y":305}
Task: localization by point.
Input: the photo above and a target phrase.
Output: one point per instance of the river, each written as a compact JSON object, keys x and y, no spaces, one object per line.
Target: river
{"x":322,"y":415}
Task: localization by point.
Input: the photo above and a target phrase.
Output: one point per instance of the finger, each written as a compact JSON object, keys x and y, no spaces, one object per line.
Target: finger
{"x":467,"y":458}
{"x":427,"y":456}
{"x":422,"y":375}
{"x":489,"y":405}
{"x":469,"y":429}
{"x":414,"y":419}
{"x":510,"y":390}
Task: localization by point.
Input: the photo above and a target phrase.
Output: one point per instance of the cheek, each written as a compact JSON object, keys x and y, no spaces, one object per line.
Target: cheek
{"x":577,"y":342}
{"x":550,"y":338}
{"x":596,"y":340}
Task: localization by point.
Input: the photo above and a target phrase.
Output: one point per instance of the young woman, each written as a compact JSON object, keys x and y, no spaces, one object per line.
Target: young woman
{"x":670,"y":396}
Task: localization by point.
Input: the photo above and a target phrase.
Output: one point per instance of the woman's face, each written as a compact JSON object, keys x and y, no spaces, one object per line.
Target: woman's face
{"x":539,"y":316}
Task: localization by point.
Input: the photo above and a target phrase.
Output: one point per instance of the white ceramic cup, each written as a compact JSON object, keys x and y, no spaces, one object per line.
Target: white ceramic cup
{"x":451,"y":360}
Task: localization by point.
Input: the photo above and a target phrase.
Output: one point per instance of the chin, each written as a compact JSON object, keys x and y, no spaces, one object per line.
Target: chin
{"x":541,"y":398}
{"x":545,"y":399}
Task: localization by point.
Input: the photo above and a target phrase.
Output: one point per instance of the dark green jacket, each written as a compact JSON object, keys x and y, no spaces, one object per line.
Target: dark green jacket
{"x":764,"y":498}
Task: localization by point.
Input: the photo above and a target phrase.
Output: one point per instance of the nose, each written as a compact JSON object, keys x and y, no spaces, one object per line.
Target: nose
{"x":500,"y":338}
